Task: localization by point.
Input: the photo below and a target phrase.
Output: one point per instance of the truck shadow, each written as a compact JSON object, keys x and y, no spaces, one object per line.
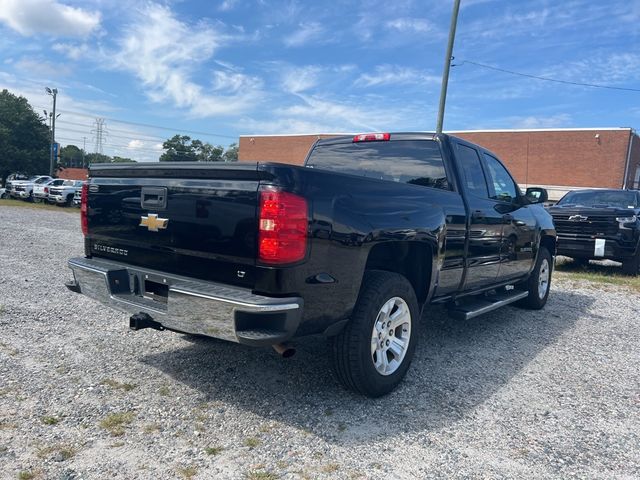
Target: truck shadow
{"x":457,"y":367}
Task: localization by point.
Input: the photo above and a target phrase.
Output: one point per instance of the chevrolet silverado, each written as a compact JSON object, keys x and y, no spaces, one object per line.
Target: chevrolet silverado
{"x":354,"y":245}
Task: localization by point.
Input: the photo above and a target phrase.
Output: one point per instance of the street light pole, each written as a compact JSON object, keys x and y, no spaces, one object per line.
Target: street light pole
{"x":447,"y":65}
{"x":53,"y":93}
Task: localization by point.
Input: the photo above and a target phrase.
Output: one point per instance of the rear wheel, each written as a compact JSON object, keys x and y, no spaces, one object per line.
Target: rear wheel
{"x":37,"y":200}
{"x":372,"y":354}
{"x":69,"y":201}
{"x":632,"y":265}
{"x":539,"y":283}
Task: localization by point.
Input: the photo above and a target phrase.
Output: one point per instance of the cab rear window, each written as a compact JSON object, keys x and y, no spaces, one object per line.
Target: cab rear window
{"x":417,"y":162}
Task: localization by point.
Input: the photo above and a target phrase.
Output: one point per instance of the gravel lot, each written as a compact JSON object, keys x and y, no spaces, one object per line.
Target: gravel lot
{"x":514,"y":394}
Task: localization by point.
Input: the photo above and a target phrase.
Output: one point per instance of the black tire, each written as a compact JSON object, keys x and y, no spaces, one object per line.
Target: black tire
{"x":352,"y":357}
{"x":535,"y":301}
{"x":37,"y":200}
{"x":69,"y":201}
{"x":631,"y":266}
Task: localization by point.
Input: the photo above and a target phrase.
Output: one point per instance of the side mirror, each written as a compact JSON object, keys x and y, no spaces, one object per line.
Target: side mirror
{"x":536,"y":195}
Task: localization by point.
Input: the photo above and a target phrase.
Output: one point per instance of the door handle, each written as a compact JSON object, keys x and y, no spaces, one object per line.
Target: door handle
{"x":478,"y":214}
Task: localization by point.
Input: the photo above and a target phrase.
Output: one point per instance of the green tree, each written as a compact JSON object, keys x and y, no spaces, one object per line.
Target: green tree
{"x":231,"y":155}
{"x":97,"y":158}
{"x":117,"y":159}
{"x":24,"y":137}
{"x":205,"y":152}
{"x":71,"y":156}
{"x":179,"y":148}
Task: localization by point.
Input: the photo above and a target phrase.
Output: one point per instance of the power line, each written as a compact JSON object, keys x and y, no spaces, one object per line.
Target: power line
{"x":148,"y":125}
{"x":566,"y":82}
{"x":132,"y":134}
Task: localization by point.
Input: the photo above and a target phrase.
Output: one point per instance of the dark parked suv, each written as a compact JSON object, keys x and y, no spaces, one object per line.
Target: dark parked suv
{"x":600,"y":224}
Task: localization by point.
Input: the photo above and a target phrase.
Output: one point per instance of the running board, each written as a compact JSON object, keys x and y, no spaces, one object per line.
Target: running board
{"x":474,"y":307}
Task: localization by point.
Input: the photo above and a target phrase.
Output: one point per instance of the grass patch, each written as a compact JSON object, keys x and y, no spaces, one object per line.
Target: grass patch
{"x":115,"y":423}
{"x":6,"y":425}
{"x":8,"y":349}
{"x":331,"y":468}
{"x":117,"y":385}
{"x":64,"y":452}
{"x":151,"y":428}
{"x":26,"y":475}
{"x":50,"y":420}
{"x":596,"y":273}
{"x":261,"y":475}
{"x":10,"y":202}
{"x":188,"y":472}
{"x":164,"y":391}
{"x":213,"y":450}
{"x":251,"y":442}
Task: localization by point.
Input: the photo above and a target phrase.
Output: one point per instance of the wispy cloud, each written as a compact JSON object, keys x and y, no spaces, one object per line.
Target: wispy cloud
{"x":553,"y":121}
{"x":37,"y":17}
{"x":163,"y":53}
{"x":295,"y":80}
{"x":396,"y":75}
{"x":72,"y":51}
{"x":419,"y":25}
{"x":227,"y":5}
{"x":306,"y":33}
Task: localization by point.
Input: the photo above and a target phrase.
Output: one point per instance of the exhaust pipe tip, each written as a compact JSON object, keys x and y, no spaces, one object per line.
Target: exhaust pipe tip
{"x":285,"y":350}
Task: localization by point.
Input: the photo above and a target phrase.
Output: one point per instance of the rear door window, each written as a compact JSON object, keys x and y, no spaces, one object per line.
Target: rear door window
{"x":472,"y":172}
{"x":418,"y":162}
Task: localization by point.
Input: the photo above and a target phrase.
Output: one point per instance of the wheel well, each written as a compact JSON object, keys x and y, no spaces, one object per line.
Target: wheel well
{"x":549,"y":243}
{"x":413,"y":260}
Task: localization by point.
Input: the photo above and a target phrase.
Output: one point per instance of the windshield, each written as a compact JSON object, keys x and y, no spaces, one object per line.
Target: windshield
{"x":621,"y":199}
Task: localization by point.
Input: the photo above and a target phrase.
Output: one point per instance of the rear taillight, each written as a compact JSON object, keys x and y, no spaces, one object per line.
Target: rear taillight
{"x":372,"y":137}
{"x":84,"y":200}
{"x":282,"y":227}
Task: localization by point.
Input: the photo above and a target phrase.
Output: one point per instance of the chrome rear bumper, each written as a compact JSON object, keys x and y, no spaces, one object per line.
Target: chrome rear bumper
{"x":190,"y":306}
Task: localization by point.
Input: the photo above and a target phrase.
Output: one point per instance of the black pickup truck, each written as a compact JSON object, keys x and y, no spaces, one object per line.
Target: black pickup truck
{"x":352,"y":245}
{"x":600,"y":224}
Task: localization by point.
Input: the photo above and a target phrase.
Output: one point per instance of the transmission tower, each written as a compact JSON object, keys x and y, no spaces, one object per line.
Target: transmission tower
{"x":99,"y":134}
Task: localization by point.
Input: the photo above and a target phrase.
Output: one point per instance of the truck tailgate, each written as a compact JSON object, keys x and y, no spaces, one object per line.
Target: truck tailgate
{"x":196,"y":219}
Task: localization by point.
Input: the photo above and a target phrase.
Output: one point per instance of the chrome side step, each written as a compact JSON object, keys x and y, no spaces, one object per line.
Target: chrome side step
{"x":472,"y":308}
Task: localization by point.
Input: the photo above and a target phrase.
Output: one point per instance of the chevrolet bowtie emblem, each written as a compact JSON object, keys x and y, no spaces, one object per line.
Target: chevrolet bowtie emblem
{"x":153,"y":223}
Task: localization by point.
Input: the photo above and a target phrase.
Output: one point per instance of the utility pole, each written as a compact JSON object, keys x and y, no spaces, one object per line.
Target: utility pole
{"x":447,"y":65}
{"x":84,"y":148}
{"x":54,"y":94}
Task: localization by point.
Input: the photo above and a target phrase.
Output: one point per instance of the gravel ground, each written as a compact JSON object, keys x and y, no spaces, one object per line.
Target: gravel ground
{"x":513,"y":394}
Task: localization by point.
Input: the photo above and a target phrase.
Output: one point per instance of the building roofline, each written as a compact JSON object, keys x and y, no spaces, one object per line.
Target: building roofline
{"x":620,"y":129}
{"x":503,"y":130}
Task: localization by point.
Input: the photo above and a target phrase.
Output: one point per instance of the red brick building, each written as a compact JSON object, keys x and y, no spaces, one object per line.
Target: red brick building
{"x":559,"y":159}
{"x":72,"y":173}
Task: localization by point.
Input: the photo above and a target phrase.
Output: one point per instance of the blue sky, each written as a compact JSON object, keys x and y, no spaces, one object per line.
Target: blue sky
{"x":228,"y":68}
